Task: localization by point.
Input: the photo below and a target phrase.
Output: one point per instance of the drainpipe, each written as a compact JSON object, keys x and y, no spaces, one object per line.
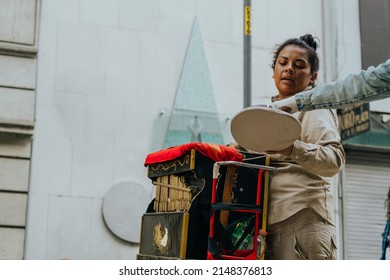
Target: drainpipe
{"x":247,"y":53}
{"x":330,"y":70}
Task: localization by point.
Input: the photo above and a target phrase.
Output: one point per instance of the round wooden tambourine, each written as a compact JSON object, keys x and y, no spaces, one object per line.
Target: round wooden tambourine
{"x":262,"y":129}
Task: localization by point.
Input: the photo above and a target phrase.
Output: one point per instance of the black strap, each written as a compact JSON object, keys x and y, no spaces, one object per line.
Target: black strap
{"x":234,"y":206}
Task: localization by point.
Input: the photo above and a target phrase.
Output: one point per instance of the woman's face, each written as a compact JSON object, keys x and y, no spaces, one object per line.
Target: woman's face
{"x":292,"y":71}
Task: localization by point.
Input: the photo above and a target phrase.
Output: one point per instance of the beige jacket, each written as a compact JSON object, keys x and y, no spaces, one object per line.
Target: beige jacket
{"x":302,"y":179}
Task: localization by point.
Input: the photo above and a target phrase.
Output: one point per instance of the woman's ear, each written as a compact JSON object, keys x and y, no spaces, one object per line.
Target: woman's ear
{"x":313,"y":78}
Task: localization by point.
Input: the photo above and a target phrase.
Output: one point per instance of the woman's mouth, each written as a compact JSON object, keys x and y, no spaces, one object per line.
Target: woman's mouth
{"x":288,"y":80}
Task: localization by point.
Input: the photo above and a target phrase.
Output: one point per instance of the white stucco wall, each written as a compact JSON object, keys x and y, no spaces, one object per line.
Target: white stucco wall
{"x":106,"y":68}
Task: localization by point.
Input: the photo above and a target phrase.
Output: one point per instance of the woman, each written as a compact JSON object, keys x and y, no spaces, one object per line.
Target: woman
{"x":300,"y":222}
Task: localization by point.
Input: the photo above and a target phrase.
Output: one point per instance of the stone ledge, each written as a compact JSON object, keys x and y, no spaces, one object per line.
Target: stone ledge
{"x":18,"y":50}
{"x":17,"y":127}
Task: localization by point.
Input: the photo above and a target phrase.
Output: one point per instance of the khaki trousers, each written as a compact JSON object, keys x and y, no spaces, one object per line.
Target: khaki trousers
{"x":303,"y":236}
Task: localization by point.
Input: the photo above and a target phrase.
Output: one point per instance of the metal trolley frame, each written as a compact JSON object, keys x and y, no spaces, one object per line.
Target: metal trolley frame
{"x":220,"y":210}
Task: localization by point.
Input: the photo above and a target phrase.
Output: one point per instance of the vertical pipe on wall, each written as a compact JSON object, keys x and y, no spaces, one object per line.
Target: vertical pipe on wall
{"x":330,"y":70}
{"x":247,"y":53}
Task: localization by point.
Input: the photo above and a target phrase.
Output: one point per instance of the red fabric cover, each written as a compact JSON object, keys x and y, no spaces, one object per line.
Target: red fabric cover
{"x":215,"y":152}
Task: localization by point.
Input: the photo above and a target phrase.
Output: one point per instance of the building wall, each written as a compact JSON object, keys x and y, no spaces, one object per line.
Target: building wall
{"x":107,"y":69}
{"x":18,"y":47}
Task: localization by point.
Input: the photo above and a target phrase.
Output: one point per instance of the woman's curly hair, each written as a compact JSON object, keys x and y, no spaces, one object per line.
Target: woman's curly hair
{"x":307,"y":42}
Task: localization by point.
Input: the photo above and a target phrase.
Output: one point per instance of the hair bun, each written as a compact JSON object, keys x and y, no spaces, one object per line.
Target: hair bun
{"x":310,"y":40}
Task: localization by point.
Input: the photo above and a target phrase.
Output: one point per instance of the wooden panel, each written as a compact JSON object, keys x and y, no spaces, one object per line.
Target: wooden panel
{"x":15,"y":145}
{"x":13,"y":207}
{"x":175,"y":166}
{"x":17,"y":104}
{"x":18,"y":72}
{"x":14,"y":174}
{"x":18,"y":21}
{"x":164,"y":235}
{"x":12,"y":243}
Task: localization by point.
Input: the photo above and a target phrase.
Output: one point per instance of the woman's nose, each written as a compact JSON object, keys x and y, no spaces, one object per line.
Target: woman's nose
{"x":289,"y":68}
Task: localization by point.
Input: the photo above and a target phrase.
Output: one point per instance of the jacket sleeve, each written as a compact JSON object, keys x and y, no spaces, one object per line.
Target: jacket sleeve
{"x":319,"y":149}
{"x":368,"y":85}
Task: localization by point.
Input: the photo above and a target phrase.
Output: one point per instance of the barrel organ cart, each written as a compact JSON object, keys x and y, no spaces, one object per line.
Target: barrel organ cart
{"x":210,"y":202}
